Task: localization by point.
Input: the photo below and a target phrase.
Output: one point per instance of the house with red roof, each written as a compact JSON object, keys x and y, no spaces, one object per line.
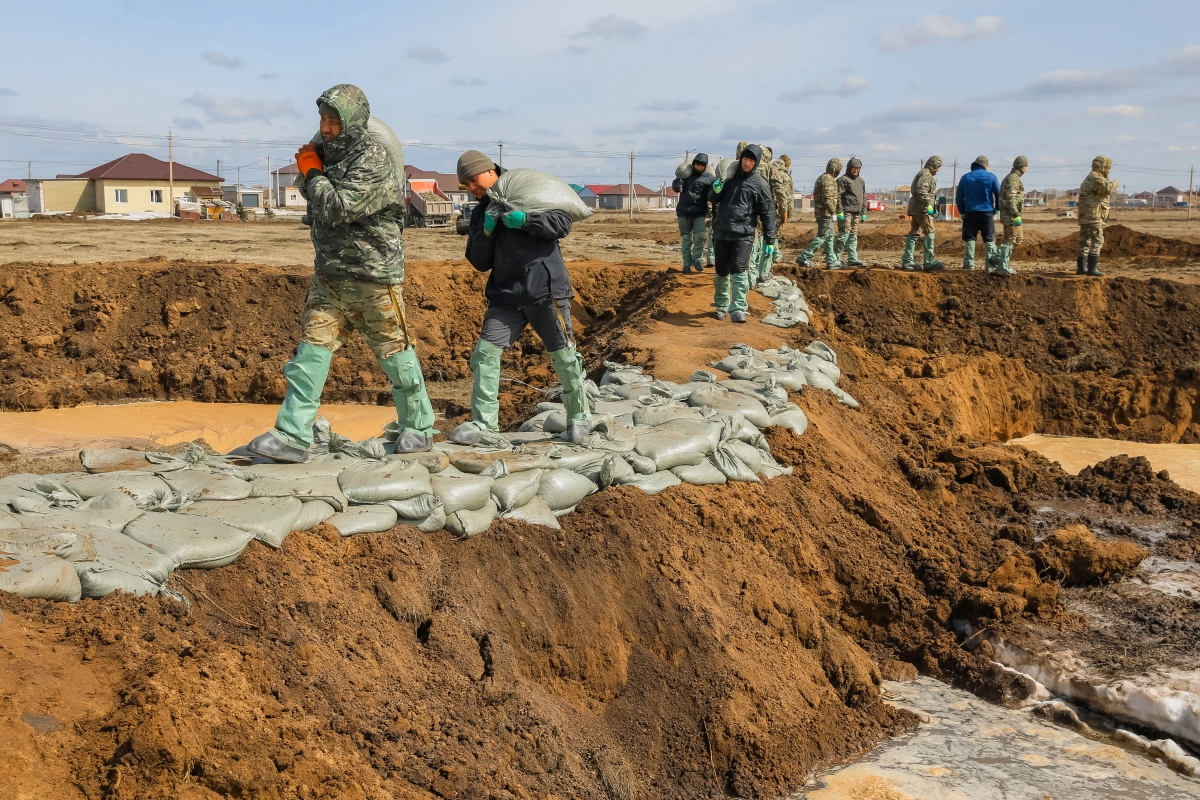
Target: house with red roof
{"x":129,"y":184}
{"x":617,"y":197}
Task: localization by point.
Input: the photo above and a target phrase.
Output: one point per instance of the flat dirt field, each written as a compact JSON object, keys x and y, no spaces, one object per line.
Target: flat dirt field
{"x":707,"y":642}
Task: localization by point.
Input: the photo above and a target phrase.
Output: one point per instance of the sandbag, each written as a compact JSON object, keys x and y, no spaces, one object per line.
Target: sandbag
{"x":326,"y":464}
{"x":200,"y":485}
{"x":312,"y":514}
{"x":464,"y":524}
{"x":434,"y":522}
{"x":615,"y":471}
{"x":763,"y":392}
{"x":725,"y":401}
{"x":739,"y":361}
{"x":791,"y":417}
{"x":670,"y":447}
{"x":649,"y":416}
{"x":731,"y":464}
{"x":623,"y":374}
{"x":459,"y":491}
{"x":517,"y":489}
{"x":316,"y":487}
{"x":8,"y":519}
{"x":656,"y":483}
{"x":579,"y":459}
{"x":684,"y":170}
{"x":68,"y":519}
{"x":112,"y":510}
{"x":270,"y":519}
{"x":39,"y":576}
{"x":382,"y":135}
{"x":564,"y":488}
{"x":415,"y":508}
{"x":532,"y":191}
{"x":111,"y":459}
{"x":364,"y":519}
{"x":434,"y":461}
{"x":534,"y":424}
{"x":821,"y":350}
{"x":192,"y":541}
{"x":641,"y":464}
{"x":122,"y":563}
{"x":749,"y":454}
{"x":476,"y":463}
{"x":379,"y":481}
{"x":143,"y":487}
{"x":535,"y":512}
{"x":704,"y":474}
{"x":67,"y":545}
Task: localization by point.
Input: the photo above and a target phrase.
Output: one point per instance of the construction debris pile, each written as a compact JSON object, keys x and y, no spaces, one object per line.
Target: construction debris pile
{"x":131,"y":518}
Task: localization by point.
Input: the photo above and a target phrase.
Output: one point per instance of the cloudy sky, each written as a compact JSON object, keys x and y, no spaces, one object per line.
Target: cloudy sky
{"x":572,"y":88}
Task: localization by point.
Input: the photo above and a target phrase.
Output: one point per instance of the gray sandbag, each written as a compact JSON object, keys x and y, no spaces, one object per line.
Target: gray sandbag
{"x":464,"y":524}
{"x":141,"y":486}
{"x":724,"y":401}
{"x":125,"y":564}
{"x":684,"y":170}
{"x":641,"y":464}
{"x":535,"y":423}
{"x":791,"y":417}
{"x":515,"y":490}
{"x":112,"y":510}
{"x":649,"y":416}
{"x":192,"y":541}
{"x":656,"y":483}
{"x":772,"y":471}
{"x":383,"y":136}
{"x":518,"y":438}
{"x":379,"y":481}
{"x":270,"y":519}
{"x":705,"y":474}
{"x":821,"y":350}
{"x":623,"y":374}
{"x":458,"y":490}
{"x":763,"y":392}
{"x":615,"y":471}
{"x":312,"y":514}
{"x":39,"y":576}
{"x":564,"y":488}
{"x":112,"y":459}
{"x":535,"y":512}
{"x":670,"y":447}
{"x":316,"y":487}
{"x":731,"y":464}
{"x":434,"y":522}
{"x":477,"y":463}
{"x":532,"y":191}
{"x":415,"y":508}
{"x":67,"y":545}
{"x":364,"y":519}
{"x":739,"y":361}
{"x":750,"y":455}
{"x":8,"y":519}
{"x":579,"y":459}
{"x":547,"y":405}
{"x":201,"y":485}
{"x":434,"y":461}
{"x":323,"y":464}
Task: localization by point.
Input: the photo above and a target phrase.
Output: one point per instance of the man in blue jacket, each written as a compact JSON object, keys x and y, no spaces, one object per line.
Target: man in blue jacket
{"x":977,"y":198}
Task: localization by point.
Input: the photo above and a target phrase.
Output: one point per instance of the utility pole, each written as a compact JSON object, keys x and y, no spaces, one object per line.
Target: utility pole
{"x":267,"y":204}
{"x":29,"y":171}
{"x":1191,"y":179}
{"x":501,"y":164}
{"x":218,"y":167}
{"x":631,"y":184}
{"x":954,"y":175}
{"x":170,"y":173}
{"x":237,"y":189}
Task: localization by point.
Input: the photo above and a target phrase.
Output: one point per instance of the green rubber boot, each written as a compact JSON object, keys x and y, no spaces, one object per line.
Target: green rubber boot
{"x":721,"y":291}
{"x":931,"y":263}
{"x":306,"y":374}
{"x":414,"y":412}
{"x":485,"y":391}
{"x":1003,"y":254}
{"x":995,"y":258}
{"x":854,"y":260}
{"x":739,"y":287}
{"x":910,"y":251}
{"x":969,"y":255}
{"x":568,"y":366}
{"x":840,"y":246}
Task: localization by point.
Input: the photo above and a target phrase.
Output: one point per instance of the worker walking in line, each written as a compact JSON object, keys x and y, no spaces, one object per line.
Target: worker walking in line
{"x":783,"y":193}
{"x":1094,"y":196}
{"x":825,"y":206}
{"x":692,"y":211}
{"x":1012,"y":201}
{"x":741,"y":204}
{"x":528,"y":286}
{"x":852,"y":209}
{"x":354,"y":190}
{"x":758,"y":260}
{"x":977,"y":197}
{"x":921,"y":210}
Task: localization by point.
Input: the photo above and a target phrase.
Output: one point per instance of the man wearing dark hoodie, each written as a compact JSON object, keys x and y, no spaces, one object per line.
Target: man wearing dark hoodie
{"x":692,"y":211}
{"x":741,"y":203}
{"x":353,"y":188}
{"x":852,"y":209}
{"x":528,"y":287}
{"x":977,"y":198}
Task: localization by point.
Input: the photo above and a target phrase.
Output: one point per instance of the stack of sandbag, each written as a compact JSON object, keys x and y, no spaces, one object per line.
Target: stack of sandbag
{"x":788,"y":305}
{"x":815,"y":365}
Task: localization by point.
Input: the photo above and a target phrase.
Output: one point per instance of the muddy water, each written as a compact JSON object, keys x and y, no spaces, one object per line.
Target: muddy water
{"x":223,"y":425}
{"x":1075,"y":452}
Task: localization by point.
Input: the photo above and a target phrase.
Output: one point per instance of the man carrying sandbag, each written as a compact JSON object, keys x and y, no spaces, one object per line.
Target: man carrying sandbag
{"x":353,"y":187}
{"x":528,"y":286}
{"x":741,"y":203}
{"x":692,"y":210}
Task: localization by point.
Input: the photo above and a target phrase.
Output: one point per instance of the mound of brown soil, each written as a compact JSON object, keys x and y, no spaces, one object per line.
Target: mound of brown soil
{"x":1076,"y":557}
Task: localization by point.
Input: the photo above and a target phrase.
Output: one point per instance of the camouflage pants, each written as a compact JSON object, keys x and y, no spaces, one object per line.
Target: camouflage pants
{"x":1011,"y":233}
{"x":922,"y":224}
{"x":849,"y":224}
{"x":1091,"y":239}
{"x":335,"y":308}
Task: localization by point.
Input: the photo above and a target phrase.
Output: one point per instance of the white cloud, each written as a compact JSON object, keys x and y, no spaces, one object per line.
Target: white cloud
{"x":936,"y":28}
{"x":613,"y":28}
{"x":221,"y":59}
{"x":992,"y":125}
{"x":430,"y":55}
{"x":646,"y":126}
{"x":887,"y":148}
{"x":488,"y":112}
{"x":1123,"y":139}
{"x":1119,"y":110}
{"x":1177,"y":149}
{"x":850,"y":86}
{"x":238,"y":109}
{"x":668,"y":105}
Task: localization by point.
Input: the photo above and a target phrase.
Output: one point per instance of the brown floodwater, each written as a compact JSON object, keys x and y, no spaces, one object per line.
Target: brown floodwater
{"x":1074,"y":453}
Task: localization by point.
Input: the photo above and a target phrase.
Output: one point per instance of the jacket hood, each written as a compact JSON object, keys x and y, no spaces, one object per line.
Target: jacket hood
{"x":700,"y":158}
{"x":834,"y":167}
{"x":752,"y":150}
{"x":1102,"y":164}
{"x":854,"y":162}
{"x":351,"y":105}
{"x":934,"y":162}
{"x":786,"y":160}
{"x":767,"y":154}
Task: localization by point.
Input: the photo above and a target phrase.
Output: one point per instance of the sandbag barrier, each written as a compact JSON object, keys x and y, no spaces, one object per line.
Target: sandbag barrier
{"x":130,"y":518}
{"x":787,"y":302}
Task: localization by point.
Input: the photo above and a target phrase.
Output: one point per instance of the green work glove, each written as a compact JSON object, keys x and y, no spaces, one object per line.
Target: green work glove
{"x":514,"y":219}
{"x":718,"y":185}
{"x":1017,"y":221}
{"x":489,"y":224}
{"x":864,"y":218}
{"x":769,"y":249}
{"x":841,"y":216}
{"x":931,"y":211}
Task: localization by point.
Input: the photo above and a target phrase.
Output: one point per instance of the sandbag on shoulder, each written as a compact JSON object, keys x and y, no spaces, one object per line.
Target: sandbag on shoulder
{"x":192,"y":541}
{"x":704,"y":474}
{"x":379,"y":481}
{"x":532,"y":191}
{"x":38,"y":576}
{"x":316,"y":487}
{"x":464,"y":524}
{"x":364,"y":519}
{"x":517,"y":489}
{"x":67,"y":545}
{"x":535,"y":512}
{"x":270,"y":519}
{"x":143,"y":487}
{"x":201,"y":485}
{"x":564,"y":488}
{"x":656,"y":483}
{"x":459,"y":491}
{"x":122,"y":563}
{"x":312,"y":514}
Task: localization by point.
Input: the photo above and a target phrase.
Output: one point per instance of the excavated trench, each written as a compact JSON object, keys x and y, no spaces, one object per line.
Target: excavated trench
{"x":707,"y":642}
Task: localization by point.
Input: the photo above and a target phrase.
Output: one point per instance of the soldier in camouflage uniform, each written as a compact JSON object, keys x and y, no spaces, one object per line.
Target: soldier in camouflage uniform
{"x":354,"y":190}
{"x":1094,"y":195}
{"x":921,"y":209}
{"x":783,"y":192}
{"x":759,"y":263}
{"x":825,"y":206}
{"x":1012,"y":200}
{"x":852,"y":209}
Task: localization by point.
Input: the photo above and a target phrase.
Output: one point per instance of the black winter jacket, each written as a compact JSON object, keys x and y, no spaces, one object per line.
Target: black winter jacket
{"x":693,"y":194}
{"x":526,"y":265}
{"x":743,"y":202}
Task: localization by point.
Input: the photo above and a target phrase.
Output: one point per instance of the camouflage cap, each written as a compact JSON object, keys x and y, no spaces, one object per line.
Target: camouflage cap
{"x":854,"y":162}
{"x":1101,"y":163}
{"x":1020,"y":161}
{"x":834,"y":166}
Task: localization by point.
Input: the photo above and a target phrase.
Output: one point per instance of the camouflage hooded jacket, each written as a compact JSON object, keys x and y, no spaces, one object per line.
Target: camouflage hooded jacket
{"x":924,"y":187}
{"x":783,"y":191}
{"x":1012,"y":196}
{"x":825,"y":190}
{"x":1095,"y":192}
{"x":358,"y":223}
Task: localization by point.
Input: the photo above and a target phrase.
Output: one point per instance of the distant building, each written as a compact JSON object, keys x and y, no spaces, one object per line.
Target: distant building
{"x":617,"y":197}
{"x":133,"y":183}
{"x":590,"y":194}
{"x":1035,"y":199}
{"x":1169,"y":196}
{"x":283,"y":192}
{"x":447,"y":184}
{"x":1145,"y":197}
{"x":251,"y":197}
{"x":13,"y":201}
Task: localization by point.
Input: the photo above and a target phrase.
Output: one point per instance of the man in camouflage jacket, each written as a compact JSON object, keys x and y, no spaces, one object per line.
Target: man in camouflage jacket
{"x":1094,"y":196}
{"x":1012,"y":201}
{"x":760,"y":265}
{"x":921,"y":208}
{"x":354,"y":190}
{"x":825,"y":207}
{"x":783,"y":192}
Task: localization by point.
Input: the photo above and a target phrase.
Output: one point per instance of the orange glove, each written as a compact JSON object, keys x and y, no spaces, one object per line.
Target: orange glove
{"x":307,"y":159}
